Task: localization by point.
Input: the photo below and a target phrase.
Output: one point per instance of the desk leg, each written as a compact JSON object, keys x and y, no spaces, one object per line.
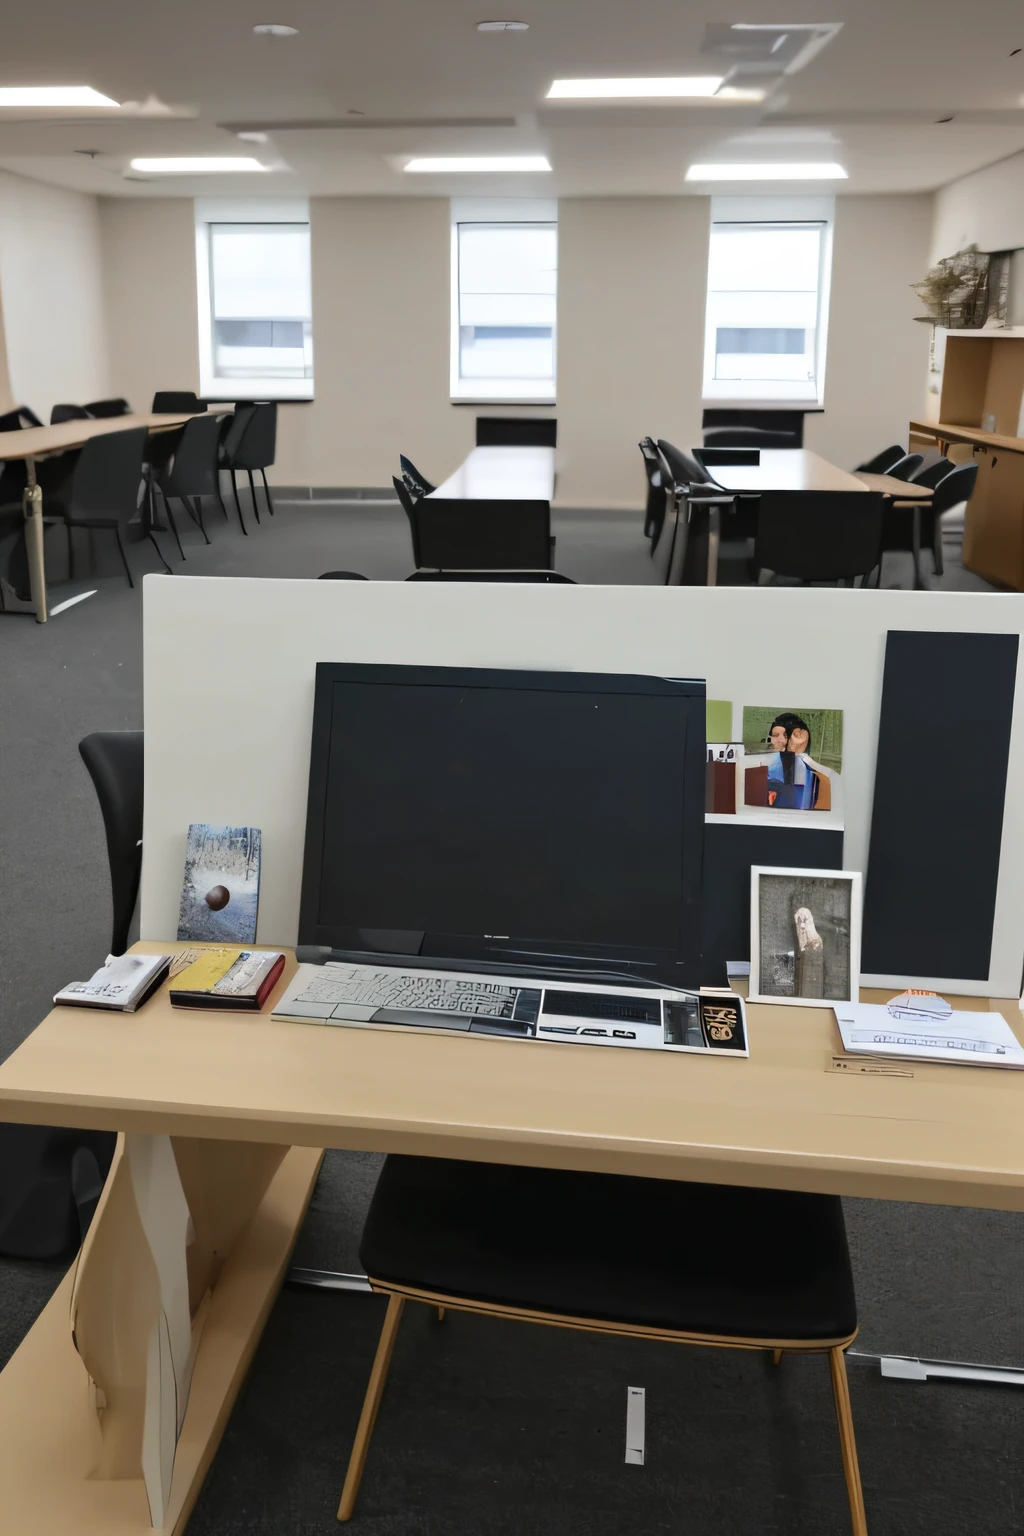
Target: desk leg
{"x":32,"y":504}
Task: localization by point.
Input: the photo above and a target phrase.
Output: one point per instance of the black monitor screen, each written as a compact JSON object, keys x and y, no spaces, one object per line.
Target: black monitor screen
{"x":472,"y":813}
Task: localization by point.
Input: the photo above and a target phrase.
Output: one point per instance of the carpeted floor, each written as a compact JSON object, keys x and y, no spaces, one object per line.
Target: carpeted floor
{"x":491,"y":1428}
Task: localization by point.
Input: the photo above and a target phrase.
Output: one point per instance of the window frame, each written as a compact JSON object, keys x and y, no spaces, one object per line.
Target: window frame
{"x":780,"y":212}
{"x":506,"y":211}
{"x":244,"y":211}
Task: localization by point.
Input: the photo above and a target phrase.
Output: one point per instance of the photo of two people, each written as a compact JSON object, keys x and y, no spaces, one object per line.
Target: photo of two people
{"x":795,"y":754}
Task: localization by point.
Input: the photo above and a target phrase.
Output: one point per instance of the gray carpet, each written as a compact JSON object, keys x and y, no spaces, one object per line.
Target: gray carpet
{"x":490,"y":1427}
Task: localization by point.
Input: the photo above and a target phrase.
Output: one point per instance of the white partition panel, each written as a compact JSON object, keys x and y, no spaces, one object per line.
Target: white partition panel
{"x":230,"y":662}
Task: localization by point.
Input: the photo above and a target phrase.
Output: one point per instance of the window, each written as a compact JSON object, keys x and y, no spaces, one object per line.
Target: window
{"x":504,"y":284}
{"x":256,"y":329}
{"x":766,"y":309}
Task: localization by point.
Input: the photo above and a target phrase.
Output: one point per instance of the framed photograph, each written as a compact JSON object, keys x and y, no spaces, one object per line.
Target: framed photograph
{"x":804,"y":936}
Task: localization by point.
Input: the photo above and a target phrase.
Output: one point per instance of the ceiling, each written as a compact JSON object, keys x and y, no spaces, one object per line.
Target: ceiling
{"x":428,"y":82}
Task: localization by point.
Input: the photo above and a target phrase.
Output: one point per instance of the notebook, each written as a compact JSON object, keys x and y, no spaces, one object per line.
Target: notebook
{"x":228,"y":978}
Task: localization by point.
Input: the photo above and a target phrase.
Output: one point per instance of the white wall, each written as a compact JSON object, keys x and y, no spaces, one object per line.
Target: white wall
{"x":51,"y":290}
{"x":985,"y":209}
{"x":877,"y":356}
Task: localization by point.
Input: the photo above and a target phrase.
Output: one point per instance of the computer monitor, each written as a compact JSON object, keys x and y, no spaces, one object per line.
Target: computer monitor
{"x":528,"y":818}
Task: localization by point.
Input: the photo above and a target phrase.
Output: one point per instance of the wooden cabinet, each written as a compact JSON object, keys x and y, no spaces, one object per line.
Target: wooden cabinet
{"x":994,"y":525}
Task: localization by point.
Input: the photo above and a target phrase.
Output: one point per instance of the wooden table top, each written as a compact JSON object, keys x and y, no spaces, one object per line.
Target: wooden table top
{"x":36,"y":442}
{"x":948,"y":1134}
{"x":961,"y":434}
{"x":503,"y":474}
{"x":890,"y":485}
{"x":786,"y":469}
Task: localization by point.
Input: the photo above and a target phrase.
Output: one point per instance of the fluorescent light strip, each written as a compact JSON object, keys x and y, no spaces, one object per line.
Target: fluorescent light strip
{"x":438,"y":164}
{"x":53,"y":96}
{"x":825,"y":170}
{"x":197,"y":164}
{"x":624,"y":89}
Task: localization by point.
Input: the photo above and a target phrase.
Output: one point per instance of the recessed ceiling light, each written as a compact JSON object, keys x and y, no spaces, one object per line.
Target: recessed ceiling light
{"x":53,"y":96}
{"x":254,"y":137}
{"x":275,"y":29}
{"x":823,"y":170}
{"x":186,"y":165}
{"x":740,"y":93}
{"x":625,"y":89}
{"x":503,"y":26}
{"x":442,"y":163}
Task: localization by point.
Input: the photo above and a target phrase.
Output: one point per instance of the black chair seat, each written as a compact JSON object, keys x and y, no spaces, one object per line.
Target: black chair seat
{"x":697,"y":1258}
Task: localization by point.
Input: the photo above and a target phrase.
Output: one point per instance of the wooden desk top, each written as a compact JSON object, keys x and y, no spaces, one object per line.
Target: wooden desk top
{"x":947,"y":1135}
{"x":36,"y":442}
{"x":961,"y":434}
{"x":503,"y":474}
{"x":890,"y":485}
{"x":786,"y":469}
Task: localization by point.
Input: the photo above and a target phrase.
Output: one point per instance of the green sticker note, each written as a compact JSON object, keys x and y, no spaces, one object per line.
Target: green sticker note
{"x":719,"y":720}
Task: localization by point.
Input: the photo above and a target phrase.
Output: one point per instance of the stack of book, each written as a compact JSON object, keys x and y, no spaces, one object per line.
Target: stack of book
{"x":228,"y":978}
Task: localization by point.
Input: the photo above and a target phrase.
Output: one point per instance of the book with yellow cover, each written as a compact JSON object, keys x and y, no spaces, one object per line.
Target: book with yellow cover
{"x":227,"y":978}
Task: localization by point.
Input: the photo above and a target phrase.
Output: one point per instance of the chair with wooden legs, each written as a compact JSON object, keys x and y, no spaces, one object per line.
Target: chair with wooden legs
{"x":701,"y":1264}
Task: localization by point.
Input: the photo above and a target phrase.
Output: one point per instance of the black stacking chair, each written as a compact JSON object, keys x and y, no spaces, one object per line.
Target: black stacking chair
{"x":341,"y":576}
{"x":820,"y":535}
{"x":117,"y":407}
{"x":22,"y":416}
{"x":417,"y":484}
{"x":175,"y":401}
{"x":61,"y":413}
{"x":905,"y":467}
{"x":402,"y":492}
{"x":658,"y":1259}
{"x":104,"y":489}
{"x":749,"y":437}
{"x":254,"y":448}
{"x":231,"y":432}
{"x":193,"y":472}
{"x":550,"y":578}
{"x":879,"y":465}
{"x":695,"y":488}
{"x":452,"y":533}
{"x":654,"y":511}
{"x":932,"y":473}
{"x":115,"y":763}
{"x":914,"y":525}
{"x":671,"y":527}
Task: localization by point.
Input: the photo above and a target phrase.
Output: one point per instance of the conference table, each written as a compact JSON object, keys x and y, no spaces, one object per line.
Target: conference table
{"x":502,"y":474}
{"x":33,"y":443}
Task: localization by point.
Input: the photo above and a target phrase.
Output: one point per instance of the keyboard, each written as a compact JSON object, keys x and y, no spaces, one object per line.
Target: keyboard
{"x":333,"y":986}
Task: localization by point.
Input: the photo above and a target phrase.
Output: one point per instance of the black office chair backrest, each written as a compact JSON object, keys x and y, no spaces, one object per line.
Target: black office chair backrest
{"x":685,"y":468}
{"x":516,"y":432}
{"x":174,"y":401}
{"x":654,"y":511}
{"x":418,"y":484}
{"x":649,"y":449}
{"x":881,"y":461}
{"x":402,"y":492}
{"x":749,"y":437}
{"x":108,"y":408}
{"x":931,"y":474}
{"x":819,"y":535}
{"x":342,"y":576}
{"x":470,"y":535}
{"x":193,"y":469}
{"x":232,"y":430}
{"x":550,"y":578}
{"x":258,"y":442}
{"x":61,"y":413}
{"x":115,"y":763}
{"x":904,"y":468}
{"x":106,"y":477}
{"x":954,"y":488}
{"x":22,"y":416}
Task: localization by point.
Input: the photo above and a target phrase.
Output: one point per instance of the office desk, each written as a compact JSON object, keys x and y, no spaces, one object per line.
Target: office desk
{"x":785,"y":469}
{"x":503,"y":474}
{"x":250,"y":1103}
{"x":33,"y":443}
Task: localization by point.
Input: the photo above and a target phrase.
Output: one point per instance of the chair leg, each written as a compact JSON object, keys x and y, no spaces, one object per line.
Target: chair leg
{"x":197,"y":502}
{"x":371,"y":1403}
{"x":156,"y":546}
{"x":71,"y":553}
{"x":847,"y":1441}
{"x":220,"y":499}
{"x":174,"y":526}
{"x":252,"y":496}
{"x":124,"y":557}
{"x":238,"y":504}
{"x":937,"y":547}
{"x":266,"y":488}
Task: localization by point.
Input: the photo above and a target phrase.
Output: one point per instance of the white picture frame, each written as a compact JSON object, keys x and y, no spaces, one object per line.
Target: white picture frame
{"x":773,"y":988}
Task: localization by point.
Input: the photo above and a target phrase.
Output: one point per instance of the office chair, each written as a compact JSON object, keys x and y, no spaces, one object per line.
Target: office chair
{"x":749,"y":437}
{"x":913,"y":525}
{"x":22,"y":416}
{"x":516,"y":432}
{"x":820,"y":535}
{"x":254,"y":448}
{"x":192,"y":472}
{"x":695,"y":487}
{"x":879,"y":465}
{"x":905,"y":467}
{"x":175,"y":401}
{"x":418,"y":485}
{"x":481,"y":535}
{"x":931,"y":474}
{"x":402,"y":492}
{"x":549,"y":578}
{"x":654,"y":512}
{"x":61,"y":413}
{"x":115,"y":763}
{"x":104,"y":489}
{"x":659,"y":1259}
{"x":342,"y":576}
{"x":102,"y":408}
